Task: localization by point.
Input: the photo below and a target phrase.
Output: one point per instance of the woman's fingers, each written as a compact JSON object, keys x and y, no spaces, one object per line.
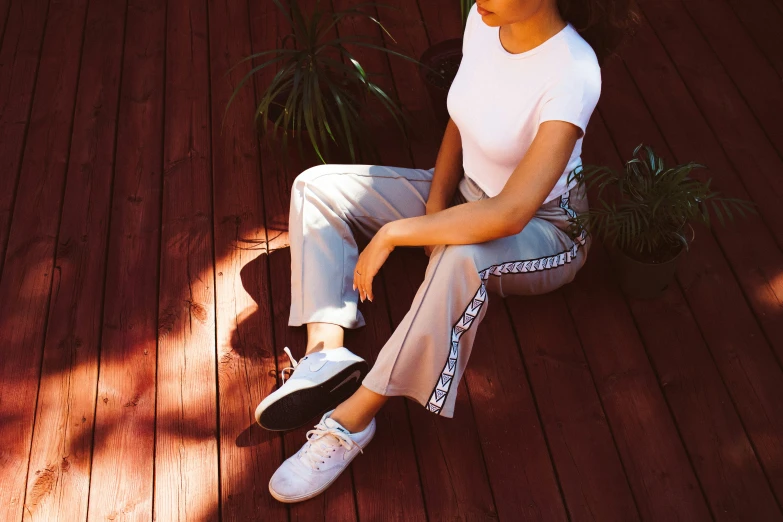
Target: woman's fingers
{"x":359,"y":281}
{"x":363,"y":283}
{"x":367,"y":285}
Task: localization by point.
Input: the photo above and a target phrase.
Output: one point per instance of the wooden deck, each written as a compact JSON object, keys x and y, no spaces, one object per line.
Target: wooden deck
{"x":144,"y":287}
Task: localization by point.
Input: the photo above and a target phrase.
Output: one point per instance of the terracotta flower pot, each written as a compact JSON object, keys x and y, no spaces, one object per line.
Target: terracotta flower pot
{"x":443,"y":57}
{"x":643,"y":280}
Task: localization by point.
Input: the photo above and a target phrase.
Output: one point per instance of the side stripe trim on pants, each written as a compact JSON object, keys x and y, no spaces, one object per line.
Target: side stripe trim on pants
{"x":463,"y":324}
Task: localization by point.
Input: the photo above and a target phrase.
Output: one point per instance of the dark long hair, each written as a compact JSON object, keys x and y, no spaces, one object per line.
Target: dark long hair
{"x":602,"y":23}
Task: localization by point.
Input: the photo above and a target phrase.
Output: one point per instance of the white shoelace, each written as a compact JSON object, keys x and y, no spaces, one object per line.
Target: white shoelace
{"x":322,"y":442}
{"x":291,"y":368}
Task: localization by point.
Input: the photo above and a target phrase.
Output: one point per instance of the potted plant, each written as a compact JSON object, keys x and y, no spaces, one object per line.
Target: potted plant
{"x":439,"y":65}
{"x":644,"y":214}
{"x":319,"y":90}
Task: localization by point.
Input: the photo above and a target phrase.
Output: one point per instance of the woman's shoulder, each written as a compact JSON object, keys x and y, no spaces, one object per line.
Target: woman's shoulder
{"x":577,"y":60}
{"x":578,"y":51}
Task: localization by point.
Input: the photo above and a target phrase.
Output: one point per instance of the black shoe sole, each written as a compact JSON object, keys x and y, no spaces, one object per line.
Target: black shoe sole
{"x":295,"y":409}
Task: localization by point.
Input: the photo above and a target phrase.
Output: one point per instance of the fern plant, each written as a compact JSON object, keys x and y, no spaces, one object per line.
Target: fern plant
{"x":320,"y":86}
{"x":647,"y":220}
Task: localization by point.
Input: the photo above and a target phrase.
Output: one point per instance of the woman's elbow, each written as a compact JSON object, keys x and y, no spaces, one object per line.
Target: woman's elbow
{"x":511,"y":224}
{"x":513,"y":215}
{"x":514,"y":227}
{"x":511,"y":220}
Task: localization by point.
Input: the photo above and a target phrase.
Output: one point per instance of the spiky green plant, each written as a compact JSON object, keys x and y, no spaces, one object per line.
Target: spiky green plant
{"x":465,"y":6}
{"x":322,"y":82}
{"x":653,"y":205}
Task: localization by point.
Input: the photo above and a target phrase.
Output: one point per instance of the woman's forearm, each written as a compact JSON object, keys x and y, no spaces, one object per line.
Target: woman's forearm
{"x":448,"y":169}
{"x":473,"y":222}
{"x":502,"y":215}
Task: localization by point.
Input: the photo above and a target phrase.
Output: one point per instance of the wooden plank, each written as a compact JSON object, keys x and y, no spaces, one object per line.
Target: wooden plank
{"x":26,"y":282}
{"x":451,"y":464}
{"x":778,"y":4}
{"x":20,"y":51}
{"x":655,"y":461}
{"x":519,"y":465}
{"x":736,"y":130}
{"x":337,"y":502}
{"x":588,"y":466}
{"x":442,"y":20}
{"x":495,"y":385}
{"x":125,"y":412}
{"x":707,"y":421}
{"x":186,"y":455}
{"x":5,"y":7}
{"x":408,"y":29}
{"x":762,"y":21}
{"x":58,"y":485}
{"x":743,"y":356}
{"x":713,"y":433}
{"x":748,"y":245}
{"x":386,"y":478}
{"x":753,"y":75}
{"x":387,"y":136}
{"x":248,"y":454}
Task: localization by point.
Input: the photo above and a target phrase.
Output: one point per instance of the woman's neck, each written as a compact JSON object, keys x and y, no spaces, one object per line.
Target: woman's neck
{"x":523,"y":36}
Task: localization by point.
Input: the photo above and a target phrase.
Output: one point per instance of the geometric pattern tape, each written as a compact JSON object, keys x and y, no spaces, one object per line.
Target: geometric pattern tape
{"x":444,"y":383}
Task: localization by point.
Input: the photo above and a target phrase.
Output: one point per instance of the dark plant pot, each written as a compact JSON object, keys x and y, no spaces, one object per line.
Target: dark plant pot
{"x":643,"y":280}
{"x":443,"y":57}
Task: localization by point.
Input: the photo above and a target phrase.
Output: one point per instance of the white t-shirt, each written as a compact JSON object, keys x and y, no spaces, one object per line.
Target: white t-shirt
{"x":498,"y":99}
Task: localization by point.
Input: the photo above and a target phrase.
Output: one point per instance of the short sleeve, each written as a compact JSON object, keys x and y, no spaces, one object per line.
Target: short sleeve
{"x":574,"y":97}
{"x":469,"y":26}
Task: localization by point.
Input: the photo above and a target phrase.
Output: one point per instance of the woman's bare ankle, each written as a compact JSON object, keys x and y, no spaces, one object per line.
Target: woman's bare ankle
{"x":352,"y":423}
{"x":356,"y":412}
{"x":324,"y":336}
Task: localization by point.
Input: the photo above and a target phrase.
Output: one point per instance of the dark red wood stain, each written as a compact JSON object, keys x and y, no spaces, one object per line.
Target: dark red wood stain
{"x":62,"y":441}
{"x":755,"y":77}
{"x":763,"y":21}
{"x":144,"y":285}
{"x":698,"y":399}
{"x":39,"y":154}
{"x":20,"y":56}
{"x":711,"y":282}
{"x":580,"y":442}
{"x":245,"y":348}
{"x":386,"y":482}
{"x":186,"y":428}
{"x":125,"y":412}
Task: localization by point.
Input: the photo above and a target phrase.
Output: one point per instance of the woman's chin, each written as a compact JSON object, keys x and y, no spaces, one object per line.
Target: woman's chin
{"x":490,"y":20}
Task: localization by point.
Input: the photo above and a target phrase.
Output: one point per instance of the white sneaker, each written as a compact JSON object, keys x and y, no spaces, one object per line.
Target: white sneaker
{"x":328,"y":451}
{"x":317,"y":383}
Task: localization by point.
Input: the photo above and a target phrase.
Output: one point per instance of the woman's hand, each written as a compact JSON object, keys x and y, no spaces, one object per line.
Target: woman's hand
{"x":370,"y":262}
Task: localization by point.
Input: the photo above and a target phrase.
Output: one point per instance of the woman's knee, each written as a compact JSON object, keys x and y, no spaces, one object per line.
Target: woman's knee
{"x":459,"y":258}
{"x":313,"y":175}
{"x":316,"y":182}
